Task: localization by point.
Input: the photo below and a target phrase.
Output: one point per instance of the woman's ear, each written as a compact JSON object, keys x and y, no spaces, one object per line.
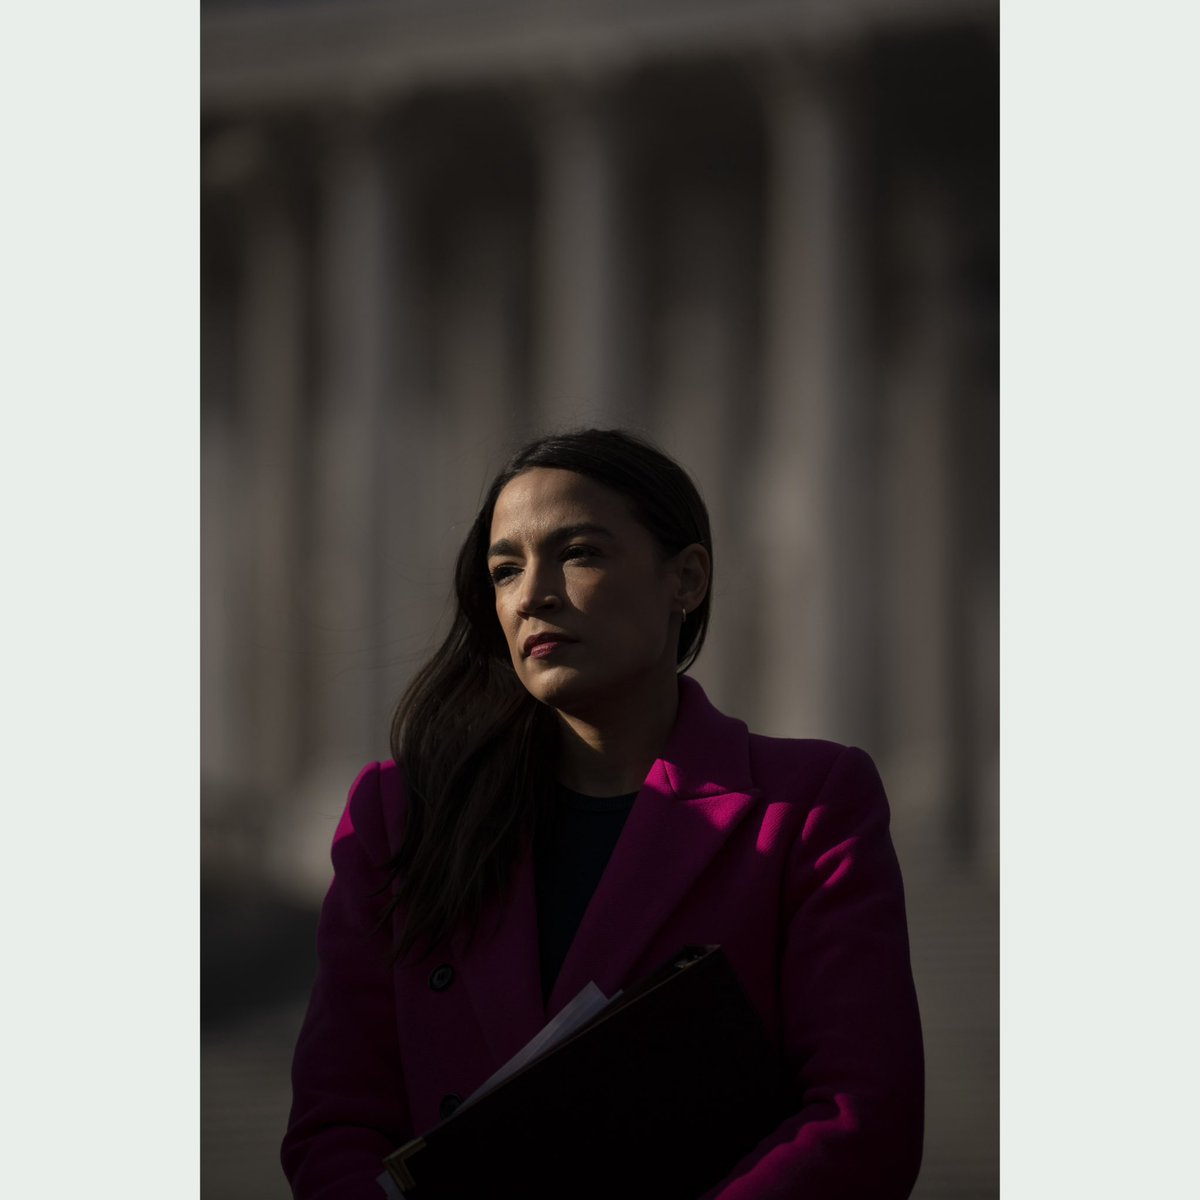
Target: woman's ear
{"x":692,"y":565}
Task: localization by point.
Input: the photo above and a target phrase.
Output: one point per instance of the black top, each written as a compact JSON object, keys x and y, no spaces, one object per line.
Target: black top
{"x":571,"y":850}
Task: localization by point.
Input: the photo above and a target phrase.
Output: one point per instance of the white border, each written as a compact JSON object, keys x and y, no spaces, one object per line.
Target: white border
{"x":1099,"y":600}
{"x":99,"y":500}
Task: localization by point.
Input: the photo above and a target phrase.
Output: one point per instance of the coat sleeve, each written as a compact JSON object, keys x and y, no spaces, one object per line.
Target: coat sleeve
{"x":850,"y":1026}
{"x":348,"y":1101}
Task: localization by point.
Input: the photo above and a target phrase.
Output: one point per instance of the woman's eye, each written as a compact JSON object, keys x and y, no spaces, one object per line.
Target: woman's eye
{"x":579,"y":552}
{"x":503,"y":574}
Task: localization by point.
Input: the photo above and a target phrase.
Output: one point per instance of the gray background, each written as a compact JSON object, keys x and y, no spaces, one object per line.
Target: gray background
{"x":765,"y":234}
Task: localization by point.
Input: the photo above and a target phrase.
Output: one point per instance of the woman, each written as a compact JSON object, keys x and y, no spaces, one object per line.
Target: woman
{"x":568,"y":807}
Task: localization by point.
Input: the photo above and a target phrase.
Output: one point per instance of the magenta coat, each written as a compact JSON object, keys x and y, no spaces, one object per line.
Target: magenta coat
{"x":778,"y":850}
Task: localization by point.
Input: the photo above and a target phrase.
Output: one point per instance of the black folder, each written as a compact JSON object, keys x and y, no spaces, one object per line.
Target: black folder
{"x":659,"y":1095}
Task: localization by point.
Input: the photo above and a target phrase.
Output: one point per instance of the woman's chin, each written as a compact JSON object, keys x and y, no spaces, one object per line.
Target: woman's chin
{"x":576,"y":693}
{"x":557,"y":686}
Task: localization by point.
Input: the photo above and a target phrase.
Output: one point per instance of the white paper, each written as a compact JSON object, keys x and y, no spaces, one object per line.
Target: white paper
{"x":388,"y":1184}
{"x":576,"y":1014}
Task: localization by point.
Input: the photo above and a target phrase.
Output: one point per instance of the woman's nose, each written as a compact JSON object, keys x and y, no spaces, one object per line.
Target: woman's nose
{"x":540,"y":591}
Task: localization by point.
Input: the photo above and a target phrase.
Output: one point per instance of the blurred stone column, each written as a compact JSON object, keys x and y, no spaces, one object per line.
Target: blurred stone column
{"x":917,"y":509}
{"x":928,"y":710}
{"x":411,"y":538}
{"x":477,"y":344}
{"x":807,"y":468}
{"x":699,"y":385}
{"x":354,"y":320}
{"x":578,"y":259}
{"x":271,"y":385}
{"x":224,"y":714}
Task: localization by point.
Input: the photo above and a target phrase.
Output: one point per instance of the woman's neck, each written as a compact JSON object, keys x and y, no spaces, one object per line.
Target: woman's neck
{"x":609,"y":750}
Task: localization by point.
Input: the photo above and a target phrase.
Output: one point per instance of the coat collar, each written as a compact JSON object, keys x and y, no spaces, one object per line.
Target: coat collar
{"x":708,"y":753}
{"x":693,"y":797}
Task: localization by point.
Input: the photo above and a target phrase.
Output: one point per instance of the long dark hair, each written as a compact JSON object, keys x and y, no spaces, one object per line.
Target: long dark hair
{"x":465,"y":730}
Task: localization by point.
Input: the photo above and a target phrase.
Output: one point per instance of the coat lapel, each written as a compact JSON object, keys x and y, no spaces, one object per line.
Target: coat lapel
{"x":693,"y":798}
{"x":501,"y":972}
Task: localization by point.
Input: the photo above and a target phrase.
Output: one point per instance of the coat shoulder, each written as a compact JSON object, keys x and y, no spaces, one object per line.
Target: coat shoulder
{"x":375,"y":811}
{"x":773,"y":758}
{"x":804,"y":768}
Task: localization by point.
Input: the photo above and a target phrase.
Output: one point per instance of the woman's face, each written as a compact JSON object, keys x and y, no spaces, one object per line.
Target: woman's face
{"x":589,"y":605}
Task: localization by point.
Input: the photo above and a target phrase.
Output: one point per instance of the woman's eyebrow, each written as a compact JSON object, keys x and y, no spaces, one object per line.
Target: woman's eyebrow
{"x":562,"y":534}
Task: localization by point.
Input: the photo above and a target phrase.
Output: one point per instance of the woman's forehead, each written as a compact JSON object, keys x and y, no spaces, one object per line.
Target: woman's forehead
{"x":545,"y":498}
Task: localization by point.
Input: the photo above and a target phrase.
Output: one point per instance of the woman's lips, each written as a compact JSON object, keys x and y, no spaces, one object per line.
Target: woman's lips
{"x":545,"y":645}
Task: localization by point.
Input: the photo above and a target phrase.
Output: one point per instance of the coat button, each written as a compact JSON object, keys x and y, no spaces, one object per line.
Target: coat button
{"x":449,"y":1103}
{"x":441,"y":977}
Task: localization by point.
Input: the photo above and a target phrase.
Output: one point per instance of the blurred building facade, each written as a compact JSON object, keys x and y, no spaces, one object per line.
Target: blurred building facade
{"x":765,"y":234}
